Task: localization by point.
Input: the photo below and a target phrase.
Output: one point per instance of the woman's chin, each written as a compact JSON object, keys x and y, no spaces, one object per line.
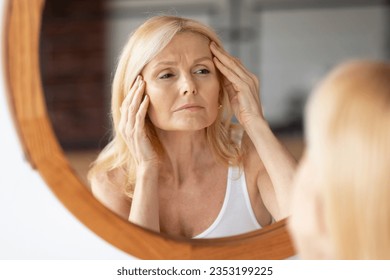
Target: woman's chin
{"x":185,"y":126}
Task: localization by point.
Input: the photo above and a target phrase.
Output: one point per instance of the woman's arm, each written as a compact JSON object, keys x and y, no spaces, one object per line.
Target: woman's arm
{"x":274,"y":180}
{"x":145,"y":206}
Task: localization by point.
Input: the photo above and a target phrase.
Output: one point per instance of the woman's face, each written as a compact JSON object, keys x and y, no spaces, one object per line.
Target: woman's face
{"x":183,"y":85}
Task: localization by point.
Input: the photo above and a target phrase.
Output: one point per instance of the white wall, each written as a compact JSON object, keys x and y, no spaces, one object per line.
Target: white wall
{"x":33,"y":223}
{"x":299,"y":46}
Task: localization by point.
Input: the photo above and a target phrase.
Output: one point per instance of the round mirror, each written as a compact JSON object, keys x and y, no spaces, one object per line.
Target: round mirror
{"x":79,"y":49}
{"x":46,"y":155}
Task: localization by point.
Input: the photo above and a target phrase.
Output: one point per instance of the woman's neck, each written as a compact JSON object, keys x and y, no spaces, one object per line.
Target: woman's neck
{"x":186,"y":153}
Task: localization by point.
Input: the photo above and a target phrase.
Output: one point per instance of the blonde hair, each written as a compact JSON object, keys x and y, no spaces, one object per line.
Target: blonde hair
{"x":349,"y":137}
{"x":144,"y":44}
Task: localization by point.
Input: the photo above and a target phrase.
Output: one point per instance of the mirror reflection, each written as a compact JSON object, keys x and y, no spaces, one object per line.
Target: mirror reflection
{"x":188,"y":170}
{"x":287,"y":49}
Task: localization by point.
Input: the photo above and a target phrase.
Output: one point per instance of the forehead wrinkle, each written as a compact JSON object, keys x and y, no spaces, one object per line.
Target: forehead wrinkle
{"x":173,"y":63}
{"x":163,"y":63}
{"x":202,"y":59}
{"x":174,"y":54}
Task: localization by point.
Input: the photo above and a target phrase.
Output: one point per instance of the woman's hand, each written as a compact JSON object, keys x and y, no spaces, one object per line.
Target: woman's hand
{"x":144,"y":206}
{"x":242,"y":86}
{"x":132,"y":124}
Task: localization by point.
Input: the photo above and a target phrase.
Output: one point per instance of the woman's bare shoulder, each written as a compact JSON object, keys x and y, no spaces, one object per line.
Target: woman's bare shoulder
{"x":112,"y":180}
{"x":108,"y":188}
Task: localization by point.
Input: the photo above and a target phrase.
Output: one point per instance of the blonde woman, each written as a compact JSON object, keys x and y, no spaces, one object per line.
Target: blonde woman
{"x":175,"y":164}
{"x":341,"y":207}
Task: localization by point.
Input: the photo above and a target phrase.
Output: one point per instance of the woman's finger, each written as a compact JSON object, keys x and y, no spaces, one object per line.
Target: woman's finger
{"x":236,"y":67}
{"x":234,"y":64}
{"x":237,"y":85}
{"x":141,"y":115}
{"x":229,"y":61}
{"x":129,"y":96}
{"x":230,"y":75}
{"x":137,"y":96}
{"x":135,"y":102}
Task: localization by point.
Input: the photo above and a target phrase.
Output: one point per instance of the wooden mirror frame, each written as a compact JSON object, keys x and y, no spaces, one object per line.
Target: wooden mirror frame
{"x":23,"y":20}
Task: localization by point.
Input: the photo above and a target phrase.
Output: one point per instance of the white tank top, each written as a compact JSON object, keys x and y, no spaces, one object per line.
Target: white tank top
{"x":236,"y":215}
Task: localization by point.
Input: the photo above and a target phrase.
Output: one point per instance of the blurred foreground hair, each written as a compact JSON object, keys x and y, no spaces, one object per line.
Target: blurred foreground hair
{"x":348,"y":132}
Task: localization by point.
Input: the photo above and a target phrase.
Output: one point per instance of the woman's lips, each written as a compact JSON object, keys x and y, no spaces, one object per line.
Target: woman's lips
{"x":189,"y":107}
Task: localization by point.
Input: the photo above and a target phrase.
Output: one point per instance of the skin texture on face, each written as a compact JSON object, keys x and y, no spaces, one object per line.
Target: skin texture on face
{"x":183,"y":85}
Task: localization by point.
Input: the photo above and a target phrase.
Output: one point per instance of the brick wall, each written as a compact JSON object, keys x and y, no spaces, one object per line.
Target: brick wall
{"x":73,"y":71}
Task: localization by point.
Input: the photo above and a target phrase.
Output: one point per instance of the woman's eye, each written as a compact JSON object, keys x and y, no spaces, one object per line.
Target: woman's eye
{"x":165,"y":76}
{"x":202,"y":71}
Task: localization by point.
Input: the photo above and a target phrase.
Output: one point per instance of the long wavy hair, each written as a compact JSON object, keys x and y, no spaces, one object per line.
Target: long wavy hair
{"x":349,"y":139}
{"x":144,"y":44}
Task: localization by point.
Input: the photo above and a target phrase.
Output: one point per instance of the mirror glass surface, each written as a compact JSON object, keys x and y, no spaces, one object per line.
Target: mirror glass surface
{"x":289,"y":45}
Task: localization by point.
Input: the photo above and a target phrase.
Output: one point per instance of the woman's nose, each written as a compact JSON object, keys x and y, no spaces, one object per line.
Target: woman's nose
{"x":189,"y":86}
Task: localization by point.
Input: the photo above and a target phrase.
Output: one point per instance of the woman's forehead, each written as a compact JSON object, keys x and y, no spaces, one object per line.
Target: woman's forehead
{"x":187,"y":45}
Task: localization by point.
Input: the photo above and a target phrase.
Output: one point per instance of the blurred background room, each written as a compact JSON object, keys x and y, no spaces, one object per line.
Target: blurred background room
{"x":288,"y":44}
